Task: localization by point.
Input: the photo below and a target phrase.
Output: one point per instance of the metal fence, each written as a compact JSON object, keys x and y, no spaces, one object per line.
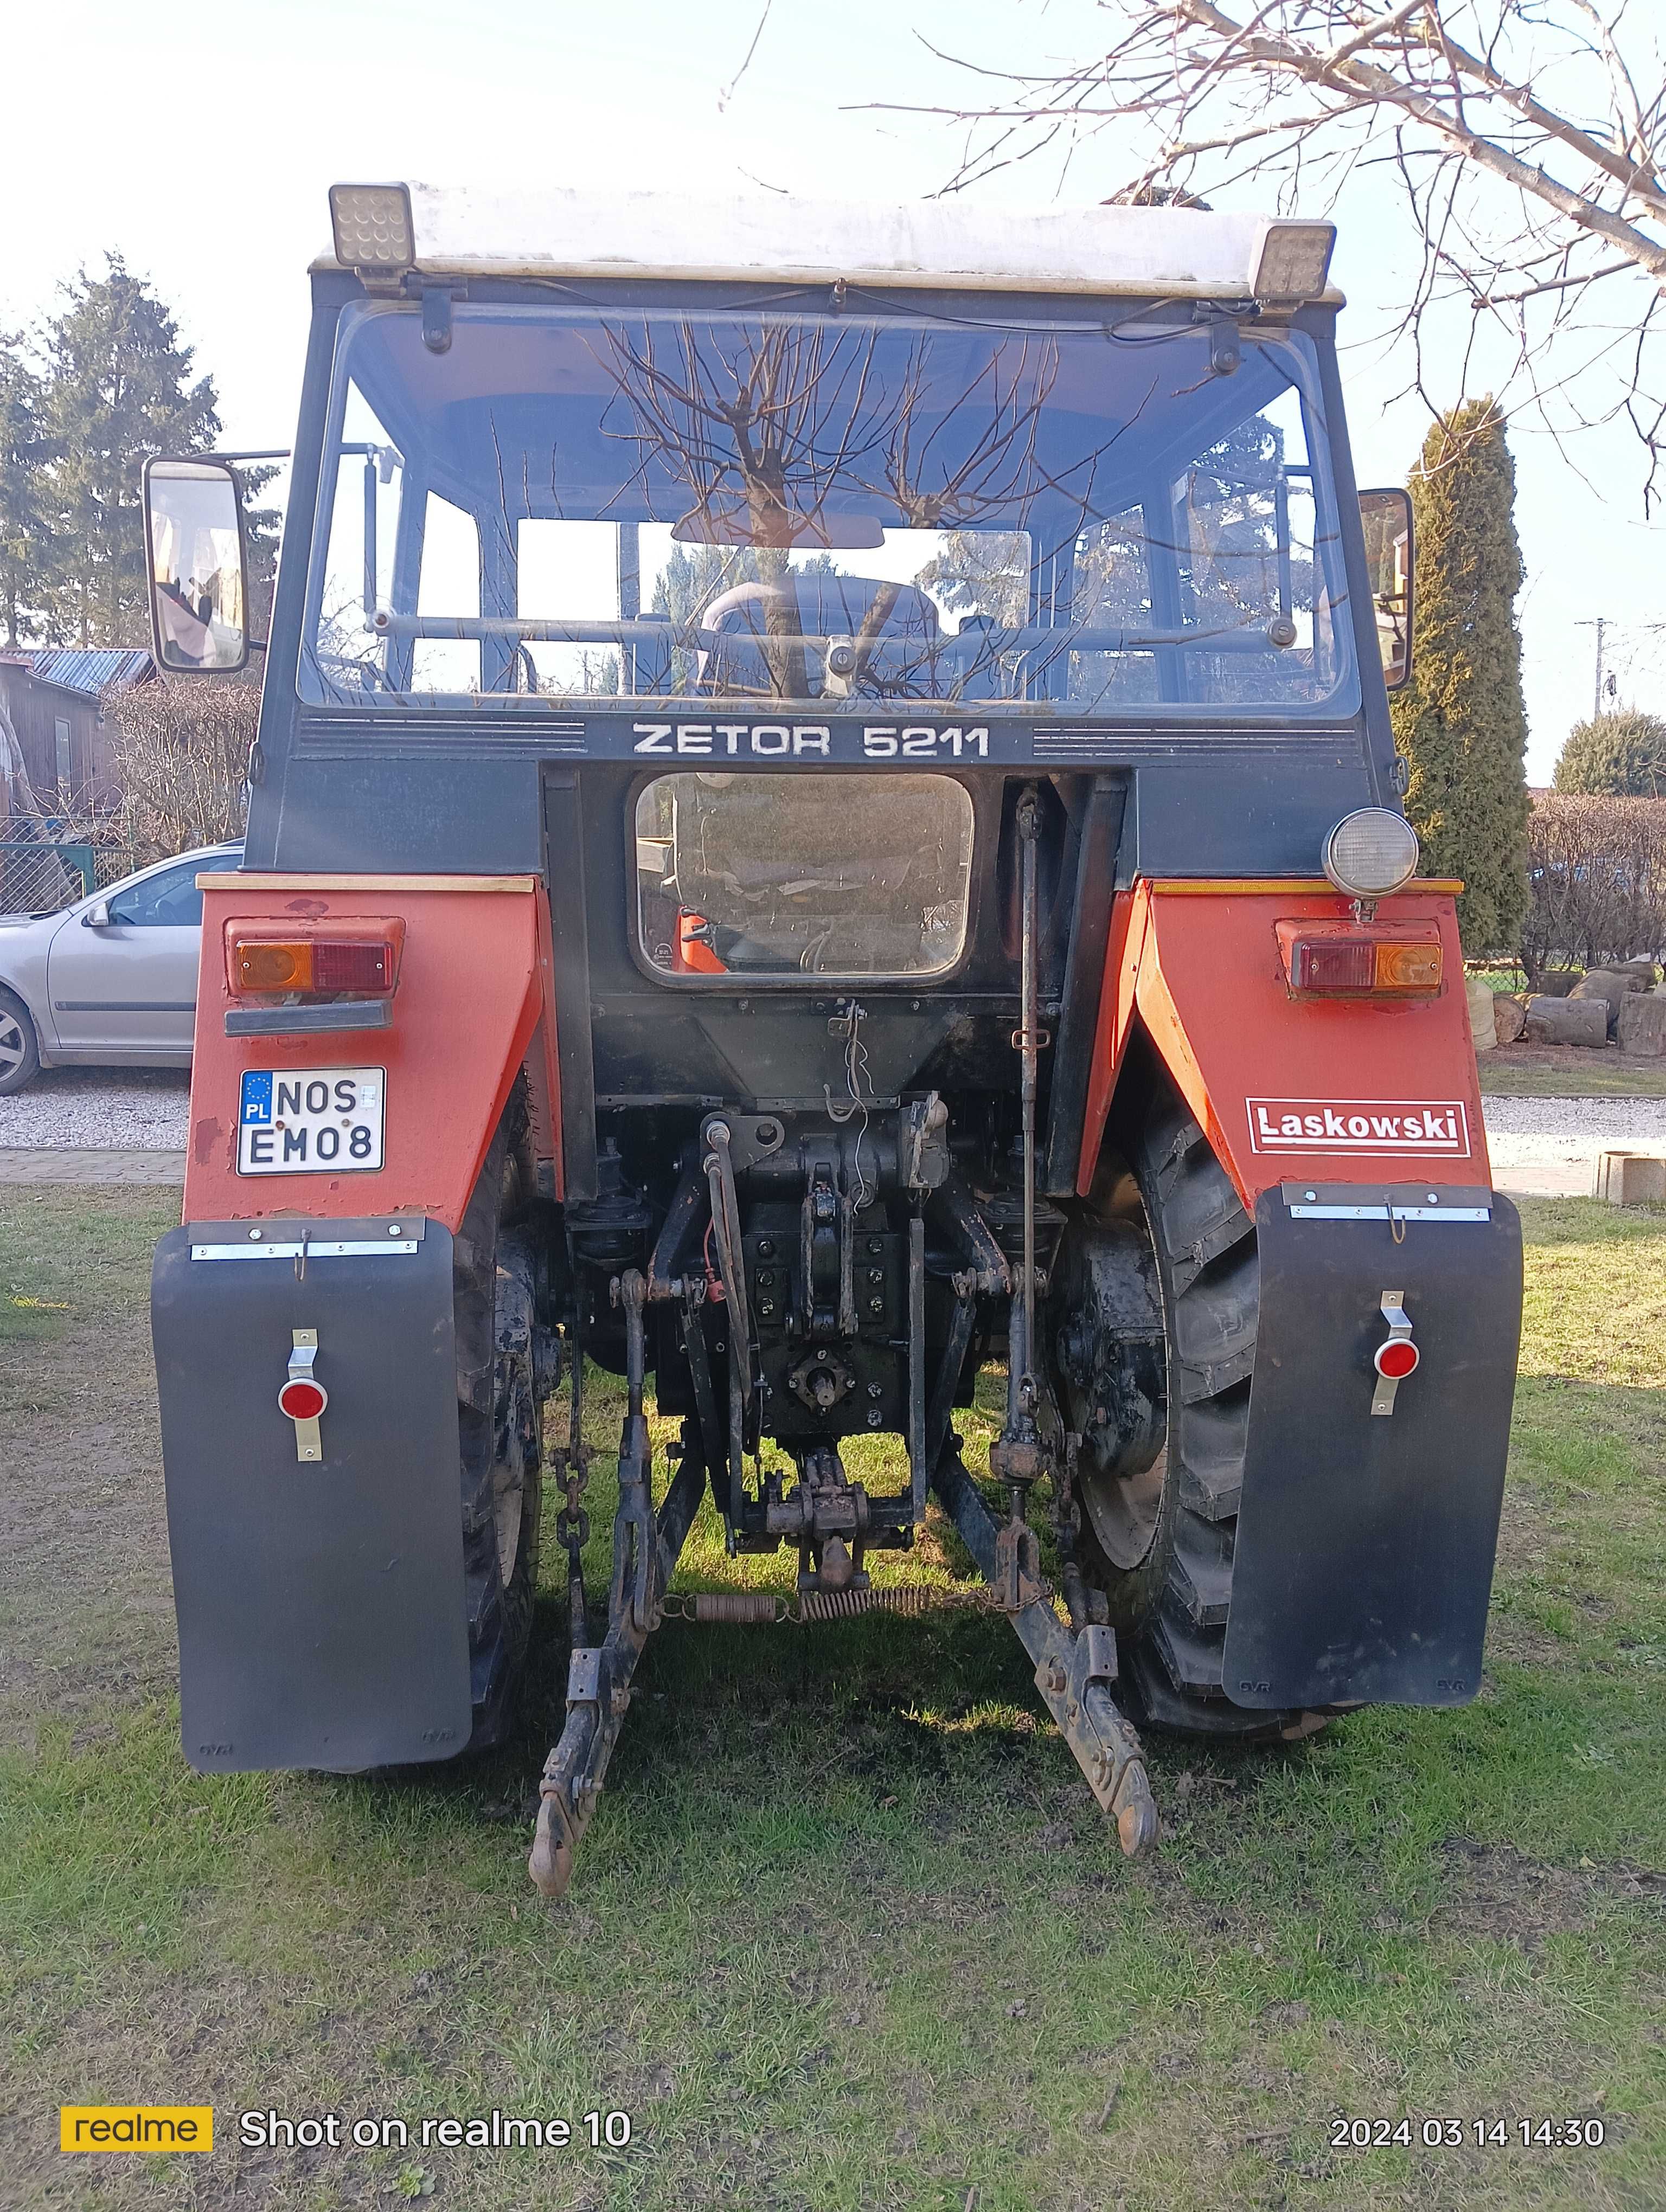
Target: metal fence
{"x":39,"y":878}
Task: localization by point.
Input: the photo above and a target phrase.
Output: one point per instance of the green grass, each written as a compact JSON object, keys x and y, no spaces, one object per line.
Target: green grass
{"x":1522,"y":1072}
{"x":848,"y":1931}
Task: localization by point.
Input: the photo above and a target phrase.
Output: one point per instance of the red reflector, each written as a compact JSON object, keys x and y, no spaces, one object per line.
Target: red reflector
{"x":303,"y":1401}
{"x":1336,"y":963}
{"x":1396,"y":1359}
{"x":352,"y":967}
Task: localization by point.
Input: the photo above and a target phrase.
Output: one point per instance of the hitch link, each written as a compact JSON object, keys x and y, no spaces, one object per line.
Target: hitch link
{"x":646,"y":1550}
{"x":1074,"y":1668}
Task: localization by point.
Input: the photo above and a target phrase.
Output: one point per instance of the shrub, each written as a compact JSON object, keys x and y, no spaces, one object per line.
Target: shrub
{"x":1616,"y":756}
{"x":1597,"y":881}
{"x":181,"y":751}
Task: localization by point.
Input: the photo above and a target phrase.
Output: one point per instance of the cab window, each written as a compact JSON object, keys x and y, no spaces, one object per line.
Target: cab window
{"x":811,"y":873}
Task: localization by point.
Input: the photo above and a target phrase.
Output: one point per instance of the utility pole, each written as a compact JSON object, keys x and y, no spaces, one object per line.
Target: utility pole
{"x":1599,"y":626}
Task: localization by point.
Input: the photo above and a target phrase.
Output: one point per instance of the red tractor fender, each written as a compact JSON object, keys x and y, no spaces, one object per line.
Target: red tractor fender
{"x":473,"y":1006}
{"x":1286,"y":1085}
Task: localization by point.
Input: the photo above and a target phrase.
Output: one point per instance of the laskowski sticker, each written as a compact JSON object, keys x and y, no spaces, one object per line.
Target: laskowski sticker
{"x":1423,"y":1125}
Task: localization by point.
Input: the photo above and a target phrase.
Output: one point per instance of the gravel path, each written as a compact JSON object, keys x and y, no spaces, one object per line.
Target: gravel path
{"x":1539,"y":1144}
{"x":1547,"y":1147}
{"x":144,"y":1108}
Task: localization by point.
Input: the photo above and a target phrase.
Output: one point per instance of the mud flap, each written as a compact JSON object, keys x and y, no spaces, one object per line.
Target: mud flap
{"x":323,"y":1618}
{"x":1364,"y":1560}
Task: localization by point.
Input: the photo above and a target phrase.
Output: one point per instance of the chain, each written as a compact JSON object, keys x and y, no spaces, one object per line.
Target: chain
{"x":571,"y":1464}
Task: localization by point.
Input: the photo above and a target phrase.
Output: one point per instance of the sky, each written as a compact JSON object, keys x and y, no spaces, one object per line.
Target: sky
{"x":206,"y":164}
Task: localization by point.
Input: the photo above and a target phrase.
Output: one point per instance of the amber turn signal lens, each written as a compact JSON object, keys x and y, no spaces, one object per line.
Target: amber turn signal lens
{"x":1408,"y":967}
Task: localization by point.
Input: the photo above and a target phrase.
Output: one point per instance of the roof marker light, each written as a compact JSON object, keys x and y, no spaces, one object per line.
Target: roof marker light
{"x":1295,"y":260}
{"x":373,"y":228}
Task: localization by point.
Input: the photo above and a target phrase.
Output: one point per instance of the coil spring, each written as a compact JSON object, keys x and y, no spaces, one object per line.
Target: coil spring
{"x":844,"y":1605}
{"x":752,"y":1608}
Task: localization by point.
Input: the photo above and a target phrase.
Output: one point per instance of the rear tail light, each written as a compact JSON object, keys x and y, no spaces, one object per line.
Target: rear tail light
{"x":1361,"y":962}
{"x":1396,"y":1359}
{"x":303,"y":1400}
{"x":361,"y":962}
{"x":1331,"y":964}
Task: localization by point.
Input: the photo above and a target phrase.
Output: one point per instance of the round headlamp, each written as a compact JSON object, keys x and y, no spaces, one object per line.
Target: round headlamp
{"x":1370,"y":853}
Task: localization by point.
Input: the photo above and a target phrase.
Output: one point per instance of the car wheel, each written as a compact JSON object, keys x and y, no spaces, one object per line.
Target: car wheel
{"x":20,"y":1054}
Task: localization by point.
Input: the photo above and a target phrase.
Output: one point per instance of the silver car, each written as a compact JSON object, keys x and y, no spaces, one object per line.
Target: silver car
{"x":110,"y":980}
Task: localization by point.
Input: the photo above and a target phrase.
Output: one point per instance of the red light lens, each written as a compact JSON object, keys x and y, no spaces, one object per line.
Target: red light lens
{"x":1336,"y":963}
{"x":303,"y":1401}
{"x":1396,"y":1359}
{"x":352,"y":967}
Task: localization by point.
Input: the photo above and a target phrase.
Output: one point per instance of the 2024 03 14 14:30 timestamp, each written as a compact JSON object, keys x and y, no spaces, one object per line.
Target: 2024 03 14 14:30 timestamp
{"x":1580,"y":2131}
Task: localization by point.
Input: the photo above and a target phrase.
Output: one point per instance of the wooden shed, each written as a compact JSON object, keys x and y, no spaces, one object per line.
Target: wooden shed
{"x":54,"y":700}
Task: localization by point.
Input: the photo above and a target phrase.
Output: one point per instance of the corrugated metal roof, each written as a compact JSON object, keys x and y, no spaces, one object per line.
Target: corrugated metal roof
{"x":91,"y":670}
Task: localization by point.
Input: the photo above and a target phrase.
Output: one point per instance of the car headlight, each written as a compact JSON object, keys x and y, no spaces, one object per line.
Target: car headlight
{"x":1370,"y":853}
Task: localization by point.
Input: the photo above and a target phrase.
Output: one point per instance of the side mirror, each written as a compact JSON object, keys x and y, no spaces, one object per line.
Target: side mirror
{"x":97,"y":916}
{"x":198,"y":567}
{"x":1386,"y":517}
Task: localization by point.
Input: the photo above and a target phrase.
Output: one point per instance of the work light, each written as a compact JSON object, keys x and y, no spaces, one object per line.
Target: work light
{"x":1295,"y":260}
{"x":1370,"y":853}
{"x":373,"y":227}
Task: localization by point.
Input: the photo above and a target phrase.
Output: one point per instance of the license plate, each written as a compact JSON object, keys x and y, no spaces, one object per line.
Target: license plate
{"x":310,"y":1120}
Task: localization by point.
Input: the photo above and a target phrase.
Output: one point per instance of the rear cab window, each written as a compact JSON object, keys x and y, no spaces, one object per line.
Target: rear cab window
{"x":847,"y":876}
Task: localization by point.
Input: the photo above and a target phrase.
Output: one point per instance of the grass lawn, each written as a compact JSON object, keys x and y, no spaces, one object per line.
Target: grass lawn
{"x":1563,"y":1071}
{"x":848,"y":1931}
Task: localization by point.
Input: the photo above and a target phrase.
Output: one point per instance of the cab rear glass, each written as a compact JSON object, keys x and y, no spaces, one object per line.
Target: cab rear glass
{"x":844,"y":877}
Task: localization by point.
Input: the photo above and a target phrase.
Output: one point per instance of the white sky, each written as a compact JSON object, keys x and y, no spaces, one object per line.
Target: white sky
{"x":203,"y":154}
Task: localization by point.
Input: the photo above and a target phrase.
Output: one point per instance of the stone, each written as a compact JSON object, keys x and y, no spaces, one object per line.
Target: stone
{"x":1566,"y":1021}
{"x":1643,"y":1024}
{"x":1482,"y":1030}
{"x":1508,"y":1016}
{"x":1630,"y":1178}
{"x":1610,"y":985}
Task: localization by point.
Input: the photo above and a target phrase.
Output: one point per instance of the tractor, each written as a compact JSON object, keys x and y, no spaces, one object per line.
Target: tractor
{"x":824,"y":823}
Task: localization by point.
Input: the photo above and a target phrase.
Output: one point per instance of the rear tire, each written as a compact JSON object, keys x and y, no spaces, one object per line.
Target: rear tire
{"x":500,"y":1430}
{"x":20,"y":1049}
{"x":1171,"y":1605}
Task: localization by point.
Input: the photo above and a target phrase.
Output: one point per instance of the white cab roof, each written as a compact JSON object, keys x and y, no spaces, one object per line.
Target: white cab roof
{"x":1169,"y":251}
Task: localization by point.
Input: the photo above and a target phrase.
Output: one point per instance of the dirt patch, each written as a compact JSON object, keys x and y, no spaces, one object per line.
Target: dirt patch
{"x":1498,"y":1892}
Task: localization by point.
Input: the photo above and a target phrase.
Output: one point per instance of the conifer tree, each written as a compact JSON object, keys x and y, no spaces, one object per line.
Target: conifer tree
{"x":117,"y":391}
{"x":25,"y":524}
{"x":1460,"y":723}
{"x":1620,"y":755}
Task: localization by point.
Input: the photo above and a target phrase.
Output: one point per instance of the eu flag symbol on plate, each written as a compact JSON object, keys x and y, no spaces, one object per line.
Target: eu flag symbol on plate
{"x":256,"y":1107}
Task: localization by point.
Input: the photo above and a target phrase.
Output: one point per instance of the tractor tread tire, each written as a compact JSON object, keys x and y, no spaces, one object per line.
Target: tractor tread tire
{"x":1209,"y":1272}
{"x":499,"y":1427}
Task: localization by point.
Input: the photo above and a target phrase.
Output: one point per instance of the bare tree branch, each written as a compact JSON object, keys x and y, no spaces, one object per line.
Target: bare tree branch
{"x":1544,"y":152}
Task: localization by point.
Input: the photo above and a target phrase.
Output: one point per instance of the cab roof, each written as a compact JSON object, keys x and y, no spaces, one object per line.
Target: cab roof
{"x":1169,"y":252}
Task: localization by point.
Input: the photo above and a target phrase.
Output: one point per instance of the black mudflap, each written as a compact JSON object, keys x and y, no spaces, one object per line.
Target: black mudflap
{"x":1364,"y":1546}
{"x":323,"y":1619}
